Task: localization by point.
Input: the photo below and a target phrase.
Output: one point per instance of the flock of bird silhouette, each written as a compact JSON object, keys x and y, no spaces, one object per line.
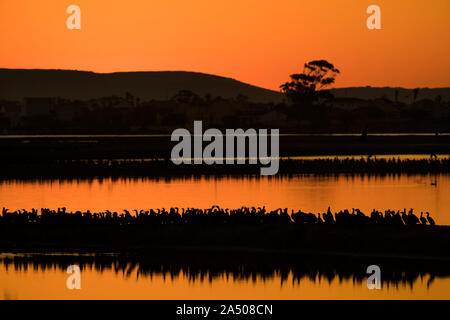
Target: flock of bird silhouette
{"x":330,"y":165}
{"x":215,"y":215}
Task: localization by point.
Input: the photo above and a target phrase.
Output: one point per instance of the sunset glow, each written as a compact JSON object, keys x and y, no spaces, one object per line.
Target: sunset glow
{"x":255,"y":41}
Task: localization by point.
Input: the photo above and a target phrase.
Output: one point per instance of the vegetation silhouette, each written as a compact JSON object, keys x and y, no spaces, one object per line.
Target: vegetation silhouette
{"x":305,"y":109}
{"x":307,"y":87}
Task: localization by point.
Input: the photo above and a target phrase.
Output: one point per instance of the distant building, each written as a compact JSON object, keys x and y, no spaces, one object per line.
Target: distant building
{"x":39,"y":106}
{"x":11,"y":111}
{"x":67,"y":111}
{"x":348,"y":103}
{"x":249,"y":114}
{"x":272,"y":118}
{"x":124,"y":104}
{"x":116,"y":102}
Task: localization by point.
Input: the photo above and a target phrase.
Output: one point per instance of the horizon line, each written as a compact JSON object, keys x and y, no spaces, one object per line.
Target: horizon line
{"x":216,"y":75}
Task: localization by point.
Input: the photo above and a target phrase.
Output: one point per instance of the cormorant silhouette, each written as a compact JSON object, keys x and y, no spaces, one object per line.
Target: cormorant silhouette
{"x":422,"y":219}
{"x":430,"y":220}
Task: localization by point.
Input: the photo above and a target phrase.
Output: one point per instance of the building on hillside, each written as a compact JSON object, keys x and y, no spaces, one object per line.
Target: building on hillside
{"x":39,"y":106}
{"x":116,"y":102}
{"x":348,"y":103}
{"x":67,"y":111}
{"x":249,"y":114}
{"x":272,"y":118}
{"x":11,"y":111}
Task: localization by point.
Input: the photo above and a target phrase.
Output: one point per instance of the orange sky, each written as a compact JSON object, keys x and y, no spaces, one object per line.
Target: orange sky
{"x":256,"y":41}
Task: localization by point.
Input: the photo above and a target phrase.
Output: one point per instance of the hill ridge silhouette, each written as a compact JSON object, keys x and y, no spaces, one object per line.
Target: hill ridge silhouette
{"x":16,"y":84}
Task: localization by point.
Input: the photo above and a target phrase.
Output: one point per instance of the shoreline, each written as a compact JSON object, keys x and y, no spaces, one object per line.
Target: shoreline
{"x":407,"y":242}
{"x":86,"y":169}
{"x":159,"y":147}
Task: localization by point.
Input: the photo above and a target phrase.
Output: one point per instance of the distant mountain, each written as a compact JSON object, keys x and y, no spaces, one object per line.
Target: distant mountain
{"x":404,"y":95}
{"x":16,"y":84}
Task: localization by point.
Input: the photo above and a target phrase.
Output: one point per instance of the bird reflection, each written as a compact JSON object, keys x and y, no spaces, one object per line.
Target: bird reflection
{"x":249,"y":269}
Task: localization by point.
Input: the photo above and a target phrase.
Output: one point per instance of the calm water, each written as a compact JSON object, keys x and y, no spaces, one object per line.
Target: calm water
{"x":83,"y":136}
{"x":47,"y":280}
{"x":311,"y":193}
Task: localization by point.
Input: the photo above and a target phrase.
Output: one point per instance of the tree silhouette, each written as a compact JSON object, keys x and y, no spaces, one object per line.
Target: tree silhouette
{"x":416,"y":92}
{"x":187,"y":97}
{"x":305,"y":88}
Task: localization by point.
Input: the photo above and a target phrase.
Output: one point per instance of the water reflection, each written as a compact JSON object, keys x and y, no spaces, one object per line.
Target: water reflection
{"x":310,"y":193}
{"x":93,"y":136}
{"x":288,"y":271}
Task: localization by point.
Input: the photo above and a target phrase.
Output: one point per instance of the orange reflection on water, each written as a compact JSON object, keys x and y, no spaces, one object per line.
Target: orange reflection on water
{"x":309,"y":193}
{"x":51,"y":284}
